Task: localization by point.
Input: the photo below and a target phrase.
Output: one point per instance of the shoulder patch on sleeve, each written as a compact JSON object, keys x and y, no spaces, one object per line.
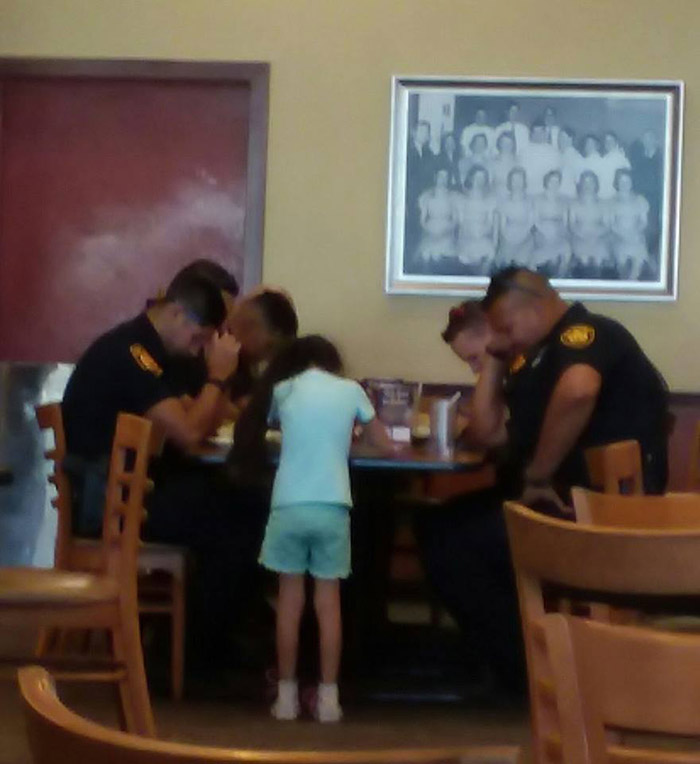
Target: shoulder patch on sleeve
{"x":144,"y":359}
{"x":577,"y":336}
{"x":517,"y":363}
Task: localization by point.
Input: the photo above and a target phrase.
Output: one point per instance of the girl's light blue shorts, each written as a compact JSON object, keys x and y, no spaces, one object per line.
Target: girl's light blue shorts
{"x":313,"y":538}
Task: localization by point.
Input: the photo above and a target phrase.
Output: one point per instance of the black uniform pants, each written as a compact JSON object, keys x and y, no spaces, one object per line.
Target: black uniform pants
{"x":467,"y":561}
{"x":222,"y":526}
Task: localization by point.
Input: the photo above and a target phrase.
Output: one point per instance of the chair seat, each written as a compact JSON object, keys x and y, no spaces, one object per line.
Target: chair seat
{"x":86,"y":554}
{"x":49,"y":587}
{"x":166,"y":557}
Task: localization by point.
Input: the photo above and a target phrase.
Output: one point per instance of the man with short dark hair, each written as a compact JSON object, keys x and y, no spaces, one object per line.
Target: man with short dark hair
{"x":133,"y":368}
{"x":216,"y":274}
{"x":129,"y":369}
{"x":579,"y":380}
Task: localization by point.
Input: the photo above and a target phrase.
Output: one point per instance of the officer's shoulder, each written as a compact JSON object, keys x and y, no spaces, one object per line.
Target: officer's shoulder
{"x":589,"y":329}
{"x":104,"y":344}
{"x":119,"y":345}
{"x":607,"y":326}
{"x":119,"y":337}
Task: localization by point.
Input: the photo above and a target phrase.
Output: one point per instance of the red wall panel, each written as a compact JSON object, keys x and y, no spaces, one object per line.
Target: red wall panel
{"x":107,"y":187}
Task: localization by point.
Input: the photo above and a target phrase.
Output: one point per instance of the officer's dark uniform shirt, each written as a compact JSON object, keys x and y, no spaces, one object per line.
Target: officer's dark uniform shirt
{"x":187,"y":376}
{"x":126,"y":369}
{"x":632,"y":402}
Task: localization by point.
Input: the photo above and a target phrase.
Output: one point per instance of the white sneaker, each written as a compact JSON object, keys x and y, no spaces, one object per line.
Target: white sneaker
{"x":286,"y":707}
{"x":327,"y":706}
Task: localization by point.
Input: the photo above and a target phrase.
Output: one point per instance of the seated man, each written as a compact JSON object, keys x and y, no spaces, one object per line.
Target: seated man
{"x":578,"y":380}
{"x":136,"y":368}
{"x":133,"y":368}
{"x":554,"y":380}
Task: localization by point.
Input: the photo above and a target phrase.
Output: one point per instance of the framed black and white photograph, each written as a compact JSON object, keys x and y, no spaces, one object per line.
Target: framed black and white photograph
{"x":579,"y":180}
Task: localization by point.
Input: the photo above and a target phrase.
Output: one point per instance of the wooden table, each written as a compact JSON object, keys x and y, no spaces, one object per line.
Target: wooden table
{"x":410,"y":459}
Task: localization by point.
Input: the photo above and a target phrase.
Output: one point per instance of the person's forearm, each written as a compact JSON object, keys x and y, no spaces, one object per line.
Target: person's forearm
{"x":565,"y":420}
{"x":206,"y":412}
{"x":378,"y":436}
{"x":487,"y":407}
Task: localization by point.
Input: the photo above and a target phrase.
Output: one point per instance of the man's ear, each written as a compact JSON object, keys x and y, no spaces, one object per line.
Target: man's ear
{"x":174,"y":311}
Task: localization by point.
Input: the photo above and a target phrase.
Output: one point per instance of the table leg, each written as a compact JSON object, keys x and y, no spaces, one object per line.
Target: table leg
{"x":365,"y":611}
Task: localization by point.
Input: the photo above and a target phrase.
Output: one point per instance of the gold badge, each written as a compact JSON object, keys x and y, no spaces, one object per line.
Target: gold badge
{"x":578,"y":336}
{"x":145,"y":360}
{"x":517,"y":364}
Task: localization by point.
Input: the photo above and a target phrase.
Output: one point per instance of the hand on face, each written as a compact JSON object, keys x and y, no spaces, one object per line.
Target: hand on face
{"x":542,"y":498}
{"x":500,"y":347}
{"x":470,"y":346}
{"x":221,"y":355}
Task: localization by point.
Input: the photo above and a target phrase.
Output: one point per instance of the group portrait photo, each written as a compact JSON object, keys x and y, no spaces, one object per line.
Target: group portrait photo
{"x":579,"y":181}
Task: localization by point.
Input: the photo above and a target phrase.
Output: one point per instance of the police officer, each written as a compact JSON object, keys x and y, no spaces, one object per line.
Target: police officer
{"x":560,"y":380}
{"x":134,"y":368}
{"x":555,"y":380}
{"x":131,"y":369}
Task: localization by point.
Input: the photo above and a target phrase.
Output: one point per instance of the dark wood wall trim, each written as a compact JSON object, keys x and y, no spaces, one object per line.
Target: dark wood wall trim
{"x":257,"y":172}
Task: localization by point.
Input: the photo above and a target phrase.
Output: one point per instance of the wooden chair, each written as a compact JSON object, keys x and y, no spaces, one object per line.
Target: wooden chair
{"x":161,"y":567}
{"x":589,"y":563}
{"x":59,"y":736}
{"x":673,"y":510}
{"x":619,"y":678}
{"x":50,"y":598}
{"x":616,"y":467}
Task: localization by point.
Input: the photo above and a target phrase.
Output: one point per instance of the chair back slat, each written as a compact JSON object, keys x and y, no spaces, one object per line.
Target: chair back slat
{"x":50,"y":419}
{"x":673,"y":510}
{"x":616,"y":467}
{"x":123,"y":514}
{"x":654,"y":562}
{"x":611,"y":677}
{"x":135,"y":441}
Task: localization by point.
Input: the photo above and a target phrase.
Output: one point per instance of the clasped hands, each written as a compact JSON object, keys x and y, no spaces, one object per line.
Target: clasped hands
{"x":221,"y":354}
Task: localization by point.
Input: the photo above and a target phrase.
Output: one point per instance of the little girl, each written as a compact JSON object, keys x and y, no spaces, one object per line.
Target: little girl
{"x":309,"y":525}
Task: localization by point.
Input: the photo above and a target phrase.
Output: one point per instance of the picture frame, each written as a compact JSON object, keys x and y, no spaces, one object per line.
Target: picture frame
{"x":578,"y":179}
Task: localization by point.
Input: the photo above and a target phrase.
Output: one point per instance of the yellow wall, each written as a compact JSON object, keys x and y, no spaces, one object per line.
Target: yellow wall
{"x":332,"y":61}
